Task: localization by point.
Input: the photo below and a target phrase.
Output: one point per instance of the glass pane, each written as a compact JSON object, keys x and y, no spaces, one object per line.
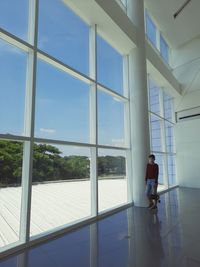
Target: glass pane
{"x":124,"y":2}
{"x":171,"y":170}
{"x":112,"y":180}
{"x":110,"y":120}
{"x":14,"y":17}
{"x":164,"y":49}
{"x":109,"y":66}
{"x":61,"y":186}
{"x":151,"y":30}
{"x":159,"y":161}
{"x":62,"y":105}
{"x":13,"y":63}
{"x":169,"y":131}
{"x":156,"y":142}
{"x":154,"y":99}
{"x":168,"y":107}
{"x":11,"y":154}
{"x":63,"y":34}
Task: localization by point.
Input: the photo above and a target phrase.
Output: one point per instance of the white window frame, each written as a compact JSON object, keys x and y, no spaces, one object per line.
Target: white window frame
{"x":29,"y":121}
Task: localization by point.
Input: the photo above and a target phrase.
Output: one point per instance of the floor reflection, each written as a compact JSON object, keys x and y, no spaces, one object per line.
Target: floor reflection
{"x":135,"y":237}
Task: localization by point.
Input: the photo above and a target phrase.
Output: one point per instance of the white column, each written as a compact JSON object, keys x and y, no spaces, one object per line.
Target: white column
{"x":140,"y":142}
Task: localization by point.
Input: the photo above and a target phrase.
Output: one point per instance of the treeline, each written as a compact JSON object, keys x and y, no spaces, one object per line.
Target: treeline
{"x":50,"y":165}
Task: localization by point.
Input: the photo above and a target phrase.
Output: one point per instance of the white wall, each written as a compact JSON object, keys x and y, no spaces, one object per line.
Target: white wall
{"x":187,"y":136}
{"x":187,"y":101}
{"x":186,"y":65}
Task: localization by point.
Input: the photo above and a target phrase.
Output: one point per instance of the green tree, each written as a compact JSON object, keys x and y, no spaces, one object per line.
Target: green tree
{"x":49,"y":164}
{"x":110,"y":165}
{"x":46,"y":163}
{"x":11,"y":154}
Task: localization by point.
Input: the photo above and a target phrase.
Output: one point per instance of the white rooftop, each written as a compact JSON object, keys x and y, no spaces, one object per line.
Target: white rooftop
{"x":55,"y":204}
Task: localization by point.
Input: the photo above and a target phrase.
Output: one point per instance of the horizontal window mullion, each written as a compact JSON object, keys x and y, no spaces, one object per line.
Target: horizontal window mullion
{"x":164,"y":153}
{"x":113,"y":147}
{"x":14,"y":137}
{"x":61,"y":142}
{"x":111,"y":92}
{"x":14,"y":40}
{"x":64,"y":67}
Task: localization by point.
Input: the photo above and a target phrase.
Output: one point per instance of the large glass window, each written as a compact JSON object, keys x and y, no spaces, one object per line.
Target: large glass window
{"x":109,"y":66}
{"x":151,"y":30}
{"x":159,"y":161}
{"x":62,"y":105}
{"x":112,"y":180}
{"x":155,"y":36}
{"x":61,"y":186}
{"x":13,"y":64}
{"x":171,"y":170}
{"x":63,"y":35}
{"x":154,"y":100}
{"x":14,"y":17}
{"x":63,"y":135}
{"x":162,"y":133}
{"x":169,"y":132}
{"x":168,"y":107}
{"x":156,"y":141}
{"x":164,"y":49}
{"x":110,"y":120}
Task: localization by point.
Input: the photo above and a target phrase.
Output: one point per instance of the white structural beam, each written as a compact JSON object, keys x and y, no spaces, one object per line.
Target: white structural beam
{"x":161,"y":72}
{"x":117,"y":14}
{"x":121,"y":31}
{"x":113,"y":24}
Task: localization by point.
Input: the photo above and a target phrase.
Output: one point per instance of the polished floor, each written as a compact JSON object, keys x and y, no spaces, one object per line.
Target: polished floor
{"x":56,"y":204}
{"x":135,"y":237}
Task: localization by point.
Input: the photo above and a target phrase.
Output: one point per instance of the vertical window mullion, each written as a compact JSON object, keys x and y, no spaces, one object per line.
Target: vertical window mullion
{"x":29,"y":124}
{"x":93,"y":121}
{"x":127,"y":128}
{"x":164,"y":141}
{"x":148,"y":87}
{"x":163,"y":134}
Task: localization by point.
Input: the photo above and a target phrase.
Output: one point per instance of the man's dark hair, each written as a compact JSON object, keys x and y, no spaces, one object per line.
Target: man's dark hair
{"x":152,"y":156}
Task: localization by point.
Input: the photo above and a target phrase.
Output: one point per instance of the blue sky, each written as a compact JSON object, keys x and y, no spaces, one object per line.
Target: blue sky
{"x":151,"y":29}
{"x":62,"y":102}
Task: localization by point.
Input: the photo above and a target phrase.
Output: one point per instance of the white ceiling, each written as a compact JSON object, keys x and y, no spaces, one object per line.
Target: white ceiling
{"x":180,"y":30}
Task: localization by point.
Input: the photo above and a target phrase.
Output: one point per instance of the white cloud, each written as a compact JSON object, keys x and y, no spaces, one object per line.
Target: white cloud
{"x":44,"y":130}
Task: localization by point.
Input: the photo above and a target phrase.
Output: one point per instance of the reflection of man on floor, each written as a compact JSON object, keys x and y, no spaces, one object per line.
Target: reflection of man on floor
{"x":154,"y":230}
{"x":148,"y":248}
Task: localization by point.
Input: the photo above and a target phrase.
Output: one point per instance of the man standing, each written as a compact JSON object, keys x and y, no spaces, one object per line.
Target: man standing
{"x":152,"y":172}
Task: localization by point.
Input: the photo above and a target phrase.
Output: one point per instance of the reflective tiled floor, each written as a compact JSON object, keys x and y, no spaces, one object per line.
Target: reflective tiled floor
{"x":133,"y":237}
